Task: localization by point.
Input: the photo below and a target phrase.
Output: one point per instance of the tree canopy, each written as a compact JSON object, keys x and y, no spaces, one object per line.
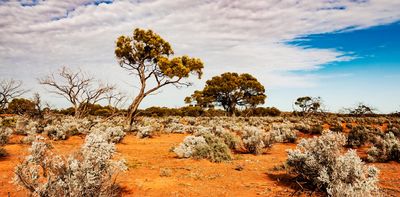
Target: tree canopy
{"x":146,"y":55}
{"x":308,"y":105}
{"x":230,"y":90}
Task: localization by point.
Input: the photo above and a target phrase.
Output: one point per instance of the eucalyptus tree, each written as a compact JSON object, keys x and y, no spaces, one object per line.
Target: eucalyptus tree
{"x":146,"y":55}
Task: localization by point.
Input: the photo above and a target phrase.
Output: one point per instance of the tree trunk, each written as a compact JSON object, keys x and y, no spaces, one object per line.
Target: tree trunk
{"x":77,"y":114}
{"x":132,"y":112}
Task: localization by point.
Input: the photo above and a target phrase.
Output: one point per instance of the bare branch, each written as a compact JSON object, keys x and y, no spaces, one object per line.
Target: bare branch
{"x":76,"y":87}
{"x":10,"y":89}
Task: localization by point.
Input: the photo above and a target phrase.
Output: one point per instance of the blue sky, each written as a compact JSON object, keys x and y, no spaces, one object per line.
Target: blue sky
{"x":371,"y":77}
{"x":345,"y":51}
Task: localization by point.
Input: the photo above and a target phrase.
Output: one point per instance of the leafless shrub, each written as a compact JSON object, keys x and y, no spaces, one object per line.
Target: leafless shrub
{"x":9,"y":89}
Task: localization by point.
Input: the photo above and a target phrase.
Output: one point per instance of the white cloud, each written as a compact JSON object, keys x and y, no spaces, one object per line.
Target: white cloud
{"x":242,"y":36}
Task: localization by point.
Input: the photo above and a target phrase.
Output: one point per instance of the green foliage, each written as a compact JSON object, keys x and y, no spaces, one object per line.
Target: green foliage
{"x":143,"y":45}
{"x":216,"y":151}
{"x":261,"y":111}
{"x":386,"y":148}
{"x":308,"y":104}
{"x":21,"y":106}
{"x":230,"y":90}
{"x":362,"y":110}
{"x":360,"y":135}
{"x":146,"y":49}
{"x":146,"y":55}
{"x":9,"y":122}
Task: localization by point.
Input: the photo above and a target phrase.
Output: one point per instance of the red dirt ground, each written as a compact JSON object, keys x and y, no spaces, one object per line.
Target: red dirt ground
{"x":155,"y":171}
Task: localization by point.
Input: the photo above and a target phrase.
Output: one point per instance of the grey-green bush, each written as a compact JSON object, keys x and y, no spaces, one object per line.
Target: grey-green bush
{"x":319,"y":162}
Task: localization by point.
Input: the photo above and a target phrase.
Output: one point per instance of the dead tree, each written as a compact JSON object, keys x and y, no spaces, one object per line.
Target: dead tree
{"x":115,"y":100}
{"x":9,"y":89}
{"x":77,"y":87}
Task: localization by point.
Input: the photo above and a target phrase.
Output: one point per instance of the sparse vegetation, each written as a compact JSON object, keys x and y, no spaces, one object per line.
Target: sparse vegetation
{"x":223,"y":134}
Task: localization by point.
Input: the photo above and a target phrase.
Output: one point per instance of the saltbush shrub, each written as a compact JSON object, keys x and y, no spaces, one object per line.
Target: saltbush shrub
{"x":318,"y":161}
{"x":205,"y":145}
{"x":282,"y":133}
{"x":360,"y":135}
{"x":255,"y":140}
{"x":90,"y":172}
{"x":385,"y":149}
{"x":4,"y":136}
{"x":113,"y":133}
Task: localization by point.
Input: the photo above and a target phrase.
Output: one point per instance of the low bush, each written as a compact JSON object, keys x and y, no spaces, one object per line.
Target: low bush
{"x":283,"y":133}
{"x":4,"y":136}
{"x":360,"y":135}
{"x":215,"y":151}
{"x":385,"y":149}
{"x":204,"y":146}
{"x":113,"y":133}
{"x":145,"y":132}
{"x":255,"y":140}
{"x":90,"y":172}
{"x":319,"y":162}
{"x":187,"y":148}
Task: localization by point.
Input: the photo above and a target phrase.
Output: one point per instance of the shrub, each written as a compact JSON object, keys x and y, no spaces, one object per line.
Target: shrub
{"x":145,"y":132}
{"x":360,"y":135}
{"x":215,"y":151}
{"x":261,"y":111}
{"x":8,"y":122}
{"x":316,"y":129}
{"x":395,"y":129}
{"x":187,"y":147}
{"x":283,"y":133}
{"x":4,"y":135}
{"x":90,"y":172}
{"x":113,"y":133}
{"x":55,"y":132}
{"x":319,"y":162}
{"x":21,"y":106}
{"x":206,"y":146}
{"x":255,"y":140}
{"x":229,"y":138}
{"x":385,"y":149}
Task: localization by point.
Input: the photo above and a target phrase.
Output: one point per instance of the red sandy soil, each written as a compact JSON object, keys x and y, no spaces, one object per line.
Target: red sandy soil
{"x":155,"y":171}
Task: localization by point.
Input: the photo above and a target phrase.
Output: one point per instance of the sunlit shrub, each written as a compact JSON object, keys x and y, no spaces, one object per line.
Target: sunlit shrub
{"x":90,"y":172}
{"x":319,"y":162}
{"x":282,"y":133}
{"x":4,"y":136}
{"x":385,"y":149}
{"x":205,"y":145}
{"x":254,"y":140}
{"x":112,"y":132}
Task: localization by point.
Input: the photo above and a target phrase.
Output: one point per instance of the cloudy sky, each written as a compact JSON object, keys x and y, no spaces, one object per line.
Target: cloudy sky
{"x":346,"y":51}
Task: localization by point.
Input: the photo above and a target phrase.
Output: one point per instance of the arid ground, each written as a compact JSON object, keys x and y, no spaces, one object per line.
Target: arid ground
{"x":155,"y":171}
